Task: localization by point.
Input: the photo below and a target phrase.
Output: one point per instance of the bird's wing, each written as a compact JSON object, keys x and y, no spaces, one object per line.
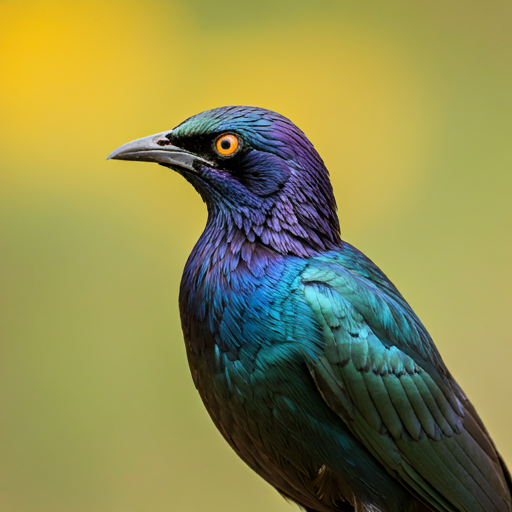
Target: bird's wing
{"x":377,"y":368}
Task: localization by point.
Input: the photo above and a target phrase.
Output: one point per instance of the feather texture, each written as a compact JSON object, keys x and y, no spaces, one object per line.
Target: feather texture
{"x":309,"y":361}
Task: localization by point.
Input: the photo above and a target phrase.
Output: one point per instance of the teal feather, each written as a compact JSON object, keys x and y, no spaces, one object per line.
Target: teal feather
{"x":397,"y":397}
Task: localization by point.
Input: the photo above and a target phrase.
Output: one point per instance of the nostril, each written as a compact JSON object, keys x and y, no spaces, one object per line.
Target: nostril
{"x":163,"y":141}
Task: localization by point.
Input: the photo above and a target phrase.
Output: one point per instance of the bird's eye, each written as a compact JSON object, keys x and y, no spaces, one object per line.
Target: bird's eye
{"x":227,"y":144}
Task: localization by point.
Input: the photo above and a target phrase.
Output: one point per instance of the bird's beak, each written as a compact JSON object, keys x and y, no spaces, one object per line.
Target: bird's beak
{"x":158,"y":148}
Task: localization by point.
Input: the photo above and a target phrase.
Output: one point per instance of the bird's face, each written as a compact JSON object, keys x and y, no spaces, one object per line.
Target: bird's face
{"x":236,"y":155}
{"x":248,"y":160}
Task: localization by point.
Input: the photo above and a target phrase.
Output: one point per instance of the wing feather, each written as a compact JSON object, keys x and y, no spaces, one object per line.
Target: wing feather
{"x":378,"y":369}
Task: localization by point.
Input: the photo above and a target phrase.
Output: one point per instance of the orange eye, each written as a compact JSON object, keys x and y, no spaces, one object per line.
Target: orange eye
{"x":227,"y":144}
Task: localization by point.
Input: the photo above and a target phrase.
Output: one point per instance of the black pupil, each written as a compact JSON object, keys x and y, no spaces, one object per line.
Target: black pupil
{"x":225,"y":144}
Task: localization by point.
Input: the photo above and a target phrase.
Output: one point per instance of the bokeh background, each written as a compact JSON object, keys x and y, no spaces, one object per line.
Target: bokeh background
{"x":409,"y":103}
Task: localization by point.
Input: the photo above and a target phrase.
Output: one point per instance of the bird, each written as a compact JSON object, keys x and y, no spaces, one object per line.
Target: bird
{"x":310,"y":362}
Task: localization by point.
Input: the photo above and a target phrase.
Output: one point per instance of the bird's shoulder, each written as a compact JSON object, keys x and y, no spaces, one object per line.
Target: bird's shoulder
{"x":347,"y":284}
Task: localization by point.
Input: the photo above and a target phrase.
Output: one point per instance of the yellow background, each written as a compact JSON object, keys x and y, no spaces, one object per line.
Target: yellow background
{"x":410,"y":105}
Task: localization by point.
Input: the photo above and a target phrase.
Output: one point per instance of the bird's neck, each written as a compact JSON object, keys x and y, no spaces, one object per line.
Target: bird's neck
{"x":230,"y":246}
{"x":224,"y":263}
{"x":236,"y":253}
{"x":284,"y":227}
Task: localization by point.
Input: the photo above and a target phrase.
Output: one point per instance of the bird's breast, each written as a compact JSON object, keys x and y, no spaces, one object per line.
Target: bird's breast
{"x":228,"y":306}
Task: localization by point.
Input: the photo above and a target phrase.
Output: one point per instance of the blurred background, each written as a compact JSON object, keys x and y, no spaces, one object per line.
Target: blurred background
{"x":410,"y":105}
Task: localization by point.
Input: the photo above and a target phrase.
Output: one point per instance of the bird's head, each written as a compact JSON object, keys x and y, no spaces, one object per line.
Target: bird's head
{"x":254,"y":166}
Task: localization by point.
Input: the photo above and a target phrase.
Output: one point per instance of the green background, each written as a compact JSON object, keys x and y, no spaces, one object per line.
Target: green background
{"x":410,"y":105}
